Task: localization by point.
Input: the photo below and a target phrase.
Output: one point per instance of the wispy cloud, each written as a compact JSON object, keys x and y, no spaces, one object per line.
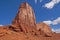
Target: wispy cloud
{"x":51,"y":4}
{"x":1,"y":25}
{"x":48,"y":22}
{"x":54,"y":22}
{"x":40,"y":0}
{"x":35,"y":1}
{"x":56,"y":30}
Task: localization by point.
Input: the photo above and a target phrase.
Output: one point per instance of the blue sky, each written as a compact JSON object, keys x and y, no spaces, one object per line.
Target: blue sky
{"x":43,"y":11}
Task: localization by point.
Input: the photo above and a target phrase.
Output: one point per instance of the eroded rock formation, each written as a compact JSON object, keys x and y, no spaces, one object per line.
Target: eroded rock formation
{"x":44,"y":29}
{"x":4,"y":30}
{"x":25,"y":19}
{"x":25,"y":22}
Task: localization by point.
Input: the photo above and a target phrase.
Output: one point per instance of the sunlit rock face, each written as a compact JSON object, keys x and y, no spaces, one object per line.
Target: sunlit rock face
{"x":25,"y":19}
{"x":44,"y":29}
{"x":4,"y":30}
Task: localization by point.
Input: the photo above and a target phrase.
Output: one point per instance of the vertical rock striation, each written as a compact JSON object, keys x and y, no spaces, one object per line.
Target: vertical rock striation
{"x":25,"y":19}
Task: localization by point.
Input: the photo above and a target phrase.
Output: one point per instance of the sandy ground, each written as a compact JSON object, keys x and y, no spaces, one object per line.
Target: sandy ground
{"x":22,"y":36}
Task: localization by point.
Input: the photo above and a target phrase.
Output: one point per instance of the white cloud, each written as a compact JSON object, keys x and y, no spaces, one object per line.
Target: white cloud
{"x":54,"y":22}
{"x":40,"y":0}
{"x":48,"y":22}
{"x":1,"y":25}
{"x":56,"y":30}
{"x":35,"y":1}
{"x":51,"y":4}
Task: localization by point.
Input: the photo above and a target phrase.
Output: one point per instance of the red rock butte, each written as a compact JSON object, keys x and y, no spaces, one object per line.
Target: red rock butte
{"x":24,"y":27}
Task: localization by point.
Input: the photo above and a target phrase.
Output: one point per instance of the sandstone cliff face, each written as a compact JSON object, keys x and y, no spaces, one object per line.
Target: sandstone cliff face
{"x":25,"y":19}
{"x":25,"y":15}
{"x":44,"y":29}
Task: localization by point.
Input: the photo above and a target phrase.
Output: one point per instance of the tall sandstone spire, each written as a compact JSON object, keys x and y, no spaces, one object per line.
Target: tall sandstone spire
{"x":25,"y":19}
